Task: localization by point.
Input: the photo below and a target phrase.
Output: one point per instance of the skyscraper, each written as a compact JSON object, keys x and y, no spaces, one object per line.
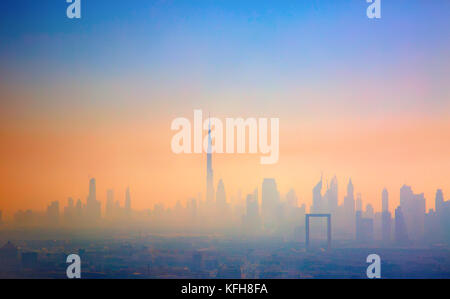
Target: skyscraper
{"x":222,"y":210}
{"x":78,"y":210}
{"x":331,"y":196}
{"x":53,"y":213}
{"x":192,"y":208}
{"x":252,"y":220}
{"x":270,"y":200}
{"x":127,"y":202}
{"x":386,"y":220}
{"x":109,"y":204}
{"x":442,"y":216}
{"x":349,"y":199}
{"x":209,"y":170}
{"x":69,"y":211}
{"x":385,"y":200}
{"x":317,"y":205}
{"x":92,"y":190}
{"x":292,"y":199}
{"x":370,"y":213}
{"x":359,"y":205}
{"x":439,"y":201}
{"x":413,"y":209}
{"x":364,"y":227}
{"x":221,"y":197}
{"x":401,"y":233}
{"x":349,"y":208}
{"x":93,"y":207}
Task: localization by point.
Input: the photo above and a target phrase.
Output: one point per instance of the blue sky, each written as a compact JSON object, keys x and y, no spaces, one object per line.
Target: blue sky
{"x":223,"y":45}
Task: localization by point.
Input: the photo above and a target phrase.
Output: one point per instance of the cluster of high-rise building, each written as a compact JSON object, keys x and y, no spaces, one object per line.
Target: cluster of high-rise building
{"x":77,"y":213}
{"x":264,"y":212}
{"x":408,"y":225}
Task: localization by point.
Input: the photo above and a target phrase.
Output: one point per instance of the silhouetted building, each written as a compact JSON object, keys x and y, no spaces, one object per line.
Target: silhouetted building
{"x":78,"y":210}
{"x":358,"y":203}
{"x":370,"y":213}
{"x":349,"y":209}
{"x":127,"y":202}
{"x":439,"y":201}
{"x":291,"y":198}
{"x":270,"y":201}
{"x":53,"y":213}
{"x":293,"y":216}
{"x":413,"y":209}
{"x":69,"y":211}
{"x":93,"y":206}
{"x":192,"y":210}
{"x":25,"y":218}
{"x":252,"y":219}
{"x":438,"y":222}
{"x":318,"y":205}
{"x":109,"y":210}
{"x":384,"y":200}
{"x":209,"y":170}
{"x":221,"y":197}
{"x":401,"y":233}
{"x":331,"y":196}
{"x":364,"y":228}
{"x":386,"y":219}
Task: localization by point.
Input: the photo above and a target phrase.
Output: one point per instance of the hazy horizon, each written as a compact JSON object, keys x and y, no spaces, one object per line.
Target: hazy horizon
{"x":95,"y":97}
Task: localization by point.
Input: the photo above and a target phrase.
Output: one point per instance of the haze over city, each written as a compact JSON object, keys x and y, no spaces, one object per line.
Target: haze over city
{"x":96,"y":98}
{"x":264,"y":212}
{"x":352,"y":168}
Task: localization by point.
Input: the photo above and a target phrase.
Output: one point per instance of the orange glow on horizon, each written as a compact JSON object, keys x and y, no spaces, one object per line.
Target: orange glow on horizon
{"x":53,"y":162}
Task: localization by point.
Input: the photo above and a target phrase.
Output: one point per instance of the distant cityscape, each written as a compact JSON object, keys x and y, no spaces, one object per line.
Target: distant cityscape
{"x":270,"y":214}
{"x":225,"y":139}
{"x":213,"y":238}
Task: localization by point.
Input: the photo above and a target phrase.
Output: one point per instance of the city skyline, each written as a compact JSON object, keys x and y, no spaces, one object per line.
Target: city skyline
{"x":199,"y":141}
{"x":323,"y":191}
{"x":272,"y":214}
{"x":96,"y":96}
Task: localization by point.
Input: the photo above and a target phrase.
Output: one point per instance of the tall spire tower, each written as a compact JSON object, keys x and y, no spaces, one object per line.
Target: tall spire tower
{"x":209,"y":170}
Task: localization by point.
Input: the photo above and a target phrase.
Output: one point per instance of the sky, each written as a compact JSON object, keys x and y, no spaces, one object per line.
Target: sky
{"x":95,"y":97}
